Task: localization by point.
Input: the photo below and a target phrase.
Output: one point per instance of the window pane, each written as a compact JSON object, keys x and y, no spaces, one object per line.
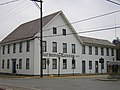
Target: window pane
{"x":96,"y":50}
{"x":64,"y":31}
{"x":28,"y":46}
{"x":73,"y":48}
{"x":54,"y":63}
{"x":54,"y":30}
{"x":107,"y":51}
{"x":8,"y":64}
{"x":44,"y":64}
{"x":3,"y":63}
{"x":102,"y":51}
{"x":64,"y":47}
{"x":73,"y":64}
{"x":112,"y":52}
{"x":64,"y":63}
{"x":27,"y":63}
{"x":90,"y":50}
{"x":90,"y":64}
{"x":20,"y":63}
{"x":44,"y":46}
{"x":3,"y":50}
{"x":83,"y":49}
{"x":14,"y":48}
{"x":54,"y":46}
{"x":8,"y":49}
{"x":20,"y":47}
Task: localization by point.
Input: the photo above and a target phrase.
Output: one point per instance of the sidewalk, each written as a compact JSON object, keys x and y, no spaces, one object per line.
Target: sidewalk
{"x":54,"y":76}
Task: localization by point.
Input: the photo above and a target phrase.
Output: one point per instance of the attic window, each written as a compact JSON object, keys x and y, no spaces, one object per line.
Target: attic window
{"x":54,"y":30}
{"x":64,"y":32}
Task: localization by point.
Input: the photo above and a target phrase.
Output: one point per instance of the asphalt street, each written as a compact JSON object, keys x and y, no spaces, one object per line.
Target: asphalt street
{"x":70,"y":83}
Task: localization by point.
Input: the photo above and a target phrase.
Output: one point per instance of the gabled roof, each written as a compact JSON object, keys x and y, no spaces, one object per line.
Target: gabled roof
{"x":28,"y":30}
{"x":96,"y":42}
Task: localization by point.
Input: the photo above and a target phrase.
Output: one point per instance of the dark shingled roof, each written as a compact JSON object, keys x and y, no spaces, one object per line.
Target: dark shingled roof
{"x":28,"y":30}
{"x":96,"y":42}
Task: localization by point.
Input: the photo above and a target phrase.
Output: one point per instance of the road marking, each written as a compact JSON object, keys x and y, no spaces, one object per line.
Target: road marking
{"x":19,"y":86}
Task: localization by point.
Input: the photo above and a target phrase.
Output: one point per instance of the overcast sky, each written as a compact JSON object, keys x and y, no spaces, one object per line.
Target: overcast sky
{"x":16,"y":13}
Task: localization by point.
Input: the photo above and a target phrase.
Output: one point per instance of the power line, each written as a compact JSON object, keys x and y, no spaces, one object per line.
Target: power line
{"x":35,"y":3}
{"x":24,"y":7}
{"x":113,"y":2}
{"x":89,"y":31}
{"x":4,"y":14}
{"x":91,"y":18}
{"x":9,"y":2}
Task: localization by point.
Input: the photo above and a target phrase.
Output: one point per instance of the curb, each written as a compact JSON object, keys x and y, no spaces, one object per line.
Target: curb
{"x":107,"y":79}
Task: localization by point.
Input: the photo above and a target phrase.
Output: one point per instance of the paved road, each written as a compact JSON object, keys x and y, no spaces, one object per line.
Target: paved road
{"x":59,"y":84}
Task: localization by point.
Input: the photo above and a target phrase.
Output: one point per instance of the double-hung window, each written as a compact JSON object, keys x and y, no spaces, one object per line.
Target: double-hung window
{"x":64,"y":63}
{"x":54,"y":63}
{"x":44,"y":46}
{"x":27,"y":63}
{"x":73,"y":48}
{"x":20,"y":47}
{"x":64,"y":47}
{"x":83,"y":49}
{"x":14,"y":48}
{"x":28,"y":46}
{"x":54,"y":45}
{"x":54,"y":30}
{"x":96,"y":50}
{"x":90,"y":50}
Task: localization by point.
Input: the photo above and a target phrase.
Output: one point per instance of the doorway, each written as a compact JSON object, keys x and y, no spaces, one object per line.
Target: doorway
{"x":83,"y":67}
{"x":13,"y":65}
{"x":96,"y":66}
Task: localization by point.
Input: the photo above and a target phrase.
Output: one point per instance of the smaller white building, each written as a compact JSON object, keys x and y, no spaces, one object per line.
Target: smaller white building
{"x":63,"y":51}
{"x":94,"y":49}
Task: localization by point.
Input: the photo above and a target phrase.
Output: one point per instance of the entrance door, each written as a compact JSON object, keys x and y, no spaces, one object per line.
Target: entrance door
{"x":13,"y":65}
{"x":83,"y":67}
{"x":96,"y":66}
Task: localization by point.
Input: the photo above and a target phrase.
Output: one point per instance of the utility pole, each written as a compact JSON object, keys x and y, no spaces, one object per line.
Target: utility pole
{"x":41,"y":36}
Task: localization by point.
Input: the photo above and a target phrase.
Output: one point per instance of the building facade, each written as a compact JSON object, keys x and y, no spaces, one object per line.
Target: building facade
{"x":62,"y":49}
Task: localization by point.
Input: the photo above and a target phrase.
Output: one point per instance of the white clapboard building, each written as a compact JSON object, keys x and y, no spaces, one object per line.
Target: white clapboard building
{"x":64,"y":52}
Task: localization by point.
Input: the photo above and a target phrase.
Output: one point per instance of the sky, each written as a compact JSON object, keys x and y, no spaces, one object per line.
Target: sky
{"x":15,"y":13}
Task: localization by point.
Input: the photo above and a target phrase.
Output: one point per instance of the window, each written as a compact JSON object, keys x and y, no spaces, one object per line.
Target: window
{"x":20,"y":47}
{"x":64,"y":47}
{"x":3,"y":50}
{"x":8,"y":49}
{"x":96,"y":50}
{"x":90,"y":50}
{"x":90,"y":64}
{"x":54,"y":46}
{"x":27,"y":63}
{"x":3,"y":64}
{"x":73,"y":64}
{"x":8,"y":64}
{"x":54,"y":63}
{"x":44,"y":63}
{"x":102,"y":65}
{"x":64,"y":63}
{"x":14,"y":48}
{"x":44,"y":46}
{"x":73,"y":48}
{"x":112,"y":52}
{"x":102,"y":51}
{"x":107,"y":51}
{"x":20,"y":63}
{"x":83,"y":49}
{"x":28,"y":46}
{"x":54,"y":30}
{"x":64,"y":32}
